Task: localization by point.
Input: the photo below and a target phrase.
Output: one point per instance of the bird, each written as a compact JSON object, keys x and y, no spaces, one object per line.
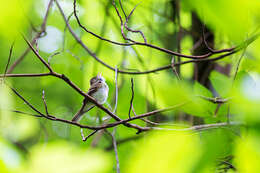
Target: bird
{"x":98,"y":90}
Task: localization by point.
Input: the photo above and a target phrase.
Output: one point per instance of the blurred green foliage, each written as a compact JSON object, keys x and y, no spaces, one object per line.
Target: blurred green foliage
{"x":29,"y":144}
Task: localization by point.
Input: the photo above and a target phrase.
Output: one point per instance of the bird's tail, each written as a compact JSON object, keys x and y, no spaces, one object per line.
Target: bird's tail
{"x":77,"y":116}
{"x":85,"y":108}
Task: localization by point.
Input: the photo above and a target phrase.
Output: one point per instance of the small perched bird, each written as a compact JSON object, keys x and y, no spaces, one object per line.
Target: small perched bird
{"x":98,"y":90}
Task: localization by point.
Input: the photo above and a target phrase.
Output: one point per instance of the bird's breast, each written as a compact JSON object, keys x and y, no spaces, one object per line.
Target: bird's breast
{"x":101,"y":94}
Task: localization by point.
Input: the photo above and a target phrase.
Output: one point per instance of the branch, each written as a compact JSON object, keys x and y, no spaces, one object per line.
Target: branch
{"x":116,"y":93}
{"x":174,"y":69}
{"x":216,"y":100}
{"x":132,"y":98}
{"x":76,"y":88}
{"x":199,"y":58}
{"x":121,"y":23}
{"x":115,"y":149}
{"x":197,"y":127}
{"x":26,"y":102}
{"x":44,"y":101}
{"x":25,"y":75}
{"x":128,"y":18}
{"x":92,"y":33}
{"x":9,"y":59}
{"x":38,"y":55}
{"x":133,"y":42}
{"x":91,"y":134}
{"x":105,"y":126}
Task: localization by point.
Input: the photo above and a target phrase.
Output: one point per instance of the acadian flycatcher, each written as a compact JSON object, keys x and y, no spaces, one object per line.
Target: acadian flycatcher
{"x":98,"y":90}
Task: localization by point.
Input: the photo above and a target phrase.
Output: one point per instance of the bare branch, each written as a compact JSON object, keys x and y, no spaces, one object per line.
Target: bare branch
{"x":9,"y":59}
{"x":132,"y":98}
{"x":38,"y":55}
{"x":85,"y":138}
{"x":25,"y":101}
{"x":126,"y":23}
{"x":121,"y":5}
{"x":92,"y":33}
{"x":51,"y":56}
{"x":121,"y":23}
{"x":216,"y":100}
{"x":174,"y":69}
{"x":116,"y":89}
{"x":133,"y":42}
{"x":44,"y":101}
{"x":197,"y":58}
{"x":105,"y":126}
{"x":115,"y":149}
{"x":26,"y":75}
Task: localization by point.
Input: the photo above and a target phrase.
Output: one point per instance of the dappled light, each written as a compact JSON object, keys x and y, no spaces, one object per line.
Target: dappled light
{"x":127,"y":86}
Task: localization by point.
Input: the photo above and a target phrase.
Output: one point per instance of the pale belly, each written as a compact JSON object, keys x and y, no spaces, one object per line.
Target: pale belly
{"x":101,"y":95}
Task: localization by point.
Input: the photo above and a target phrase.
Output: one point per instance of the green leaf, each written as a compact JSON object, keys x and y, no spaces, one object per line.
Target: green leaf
{"x":234,"y":17}
{"x":221,"y":83}
{"x":165,"y":152}
{"x":13,"y":17}
{"x":65,"y":157}
{"x":247,"y":154}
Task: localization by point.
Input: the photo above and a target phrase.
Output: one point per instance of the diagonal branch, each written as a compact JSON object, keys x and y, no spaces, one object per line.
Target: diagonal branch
{"x":9,"y":59}
{"x":132,"y":98}
{"x":38,"y":55}
{"x":45,"y":104}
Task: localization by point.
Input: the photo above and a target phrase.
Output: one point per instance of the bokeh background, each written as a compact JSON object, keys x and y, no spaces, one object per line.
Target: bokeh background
{"x":31,"y":144}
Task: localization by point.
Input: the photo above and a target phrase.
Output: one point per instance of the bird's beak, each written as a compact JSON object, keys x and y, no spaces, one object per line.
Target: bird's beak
{"x":99,"y":75}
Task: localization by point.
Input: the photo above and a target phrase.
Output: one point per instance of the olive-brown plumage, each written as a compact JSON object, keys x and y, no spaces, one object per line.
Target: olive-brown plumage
{"x":98,"y":90}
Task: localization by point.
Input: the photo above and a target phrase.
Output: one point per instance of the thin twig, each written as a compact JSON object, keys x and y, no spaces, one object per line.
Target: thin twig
{"x":205,"y":41}
{"x":38,"y":55}
{"x":127,"y":18}
{"x":90,"y":32}
{"x":163,"y":124}
{"x":197,"y":58}
{"x":85,"y":138}
{"x":121,"y":23}
{"x":133,"y":42}
{"x":25,"y":101}
{"x":77,"y":58}
{"x":26,"y":75}
{"x":64,"y":32}
{"x":116,"y":91}
{"x":9,"y":59}
{"x":238,"y":63}
{"x":174,"y":69}
{"x":132,"y":97}
{"x":25,"y":113}
{"x":45,"y":104}
{"x":51,"y":56}
{"x":121,"y":5}
{"x":216,"y":100}
{"x":105,"y":126}
{"x":235,"y":75}
{"x":115,"y":149}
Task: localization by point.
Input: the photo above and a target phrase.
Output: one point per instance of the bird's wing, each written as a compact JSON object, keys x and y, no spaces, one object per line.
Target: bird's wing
{"x":94,"y":88}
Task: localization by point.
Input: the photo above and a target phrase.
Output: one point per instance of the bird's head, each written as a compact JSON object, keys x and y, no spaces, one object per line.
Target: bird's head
{"x":99,"y":78}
